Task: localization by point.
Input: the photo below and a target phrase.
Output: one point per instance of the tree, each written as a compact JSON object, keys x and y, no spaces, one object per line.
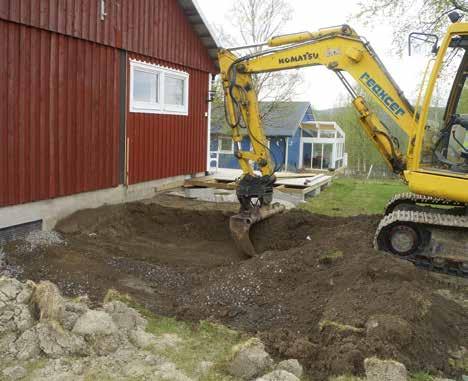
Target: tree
{"x":254,"y":22}
{"x":428,"y":16}
{"x":361,"y":151}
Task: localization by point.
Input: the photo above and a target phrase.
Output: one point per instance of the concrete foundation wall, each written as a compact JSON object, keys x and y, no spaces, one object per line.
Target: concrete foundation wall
{"x":50,"y":211}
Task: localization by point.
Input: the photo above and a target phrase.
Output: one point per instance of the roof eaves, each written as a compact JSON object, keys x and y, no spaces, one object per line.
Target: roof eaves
{"x":298,"y":123}
{"x":202,"y":27}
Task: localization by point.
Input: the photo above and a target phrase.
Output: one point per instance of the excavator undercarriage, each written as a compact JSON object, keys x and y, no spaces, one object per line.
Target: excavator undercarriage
{"x":430,"y":232}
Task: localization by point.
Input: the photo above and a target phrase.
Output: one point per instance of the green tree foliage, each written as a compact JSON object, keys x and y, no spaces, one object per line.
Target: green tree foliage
{"x":405,"y":16}
{"x":361,"y":151}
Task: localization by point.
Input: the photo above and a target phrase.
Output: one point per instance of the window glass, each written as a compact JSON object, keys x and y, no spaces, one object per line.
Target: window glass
{"x":327,"y":134}
{"x":443,"y":143}
{"x":145,"y":86}
{"x":174,"y":90}
{"x":158,"y":90}
{"x":226,"y":144}
{"x":462,"y":107}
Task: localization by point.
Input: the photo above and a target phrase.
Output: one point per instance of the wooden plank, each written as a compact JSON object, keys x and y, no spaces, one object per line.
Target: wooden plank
{"x":307,"y":189}
{"x":208,"y":184}
{"x":285,"y":175}
{"x":170,"y":185}
{"x":304,"y":182}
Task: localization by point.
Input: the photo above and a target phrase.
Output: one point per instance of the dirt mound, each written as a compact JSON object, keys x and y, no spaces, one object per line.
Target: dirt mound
{"x":319,"y":292}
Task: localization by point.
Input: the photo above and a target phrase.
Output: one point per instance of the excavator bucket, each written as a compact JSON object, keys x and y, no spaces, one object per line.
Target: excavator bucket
{"x":241,"y":223}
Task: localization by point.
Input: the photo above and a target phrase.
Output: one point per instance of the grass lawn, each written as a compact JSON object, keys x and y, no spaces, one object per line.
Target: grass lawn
{"x":350,"y":197}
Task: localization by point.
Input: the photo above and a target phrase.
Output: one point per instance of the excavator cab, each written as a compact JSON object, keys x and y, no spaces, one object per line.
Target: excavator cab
{"x":445,"y":144}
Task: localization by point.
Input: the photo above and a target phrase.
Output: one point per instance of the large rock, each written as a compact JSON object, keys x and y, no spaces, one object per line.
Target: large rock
{"x":23,"y":318}
{"x":48,"y":301}
{"x":73,"y":310}
{"x":24,"y":297}
{"x":56,"y":342}
{"x":125,"y":317}
{"x":7,"y":323}
{"x":9,"y":289}
{"x":27,"y":345}
{"x":16,"y":372}
{"x":292,"y":366}
{"x":278,"y":375}
{"x":95,"y":323}
{"x":384,"y":370}
{"x":249,"y":360}
{"x":141,"y":339}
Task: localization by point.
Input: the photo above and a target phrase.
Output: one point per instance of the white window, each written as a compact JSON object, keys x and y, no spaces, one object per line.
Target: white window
{"x":158,"y":90}
{"x":225,"y":145}
{"x":327,"y":134}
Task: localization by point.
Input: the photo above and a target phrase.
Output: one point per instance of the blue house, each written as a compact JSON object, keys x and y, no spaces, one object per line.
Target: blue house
{"x":296,"y":140}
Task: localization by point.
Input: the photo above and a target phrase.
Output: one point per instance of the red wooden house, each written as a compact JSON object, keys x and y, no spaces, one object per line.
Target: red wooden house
{"x":96,"y":96}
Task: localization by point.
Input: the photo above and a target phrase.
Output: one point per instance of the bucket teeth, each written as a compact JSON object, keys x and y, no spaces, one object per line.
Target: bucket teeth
{"x":241,"y":223}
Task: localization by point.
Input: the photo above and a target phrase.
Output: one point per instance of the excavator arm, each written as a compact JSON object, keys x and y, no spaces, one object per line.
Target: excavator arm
{"x":339,"y":49}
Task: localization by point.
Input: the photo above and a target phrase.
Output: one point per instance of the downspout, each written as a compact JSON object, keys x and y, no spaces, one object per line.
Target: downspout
{"x":208,"y":135}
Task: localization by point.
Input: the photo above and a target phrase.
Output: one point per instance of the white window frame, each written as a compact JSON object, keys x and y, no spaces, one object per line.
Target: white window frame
{"x":219,"y":145}
{"x":160,"y":107}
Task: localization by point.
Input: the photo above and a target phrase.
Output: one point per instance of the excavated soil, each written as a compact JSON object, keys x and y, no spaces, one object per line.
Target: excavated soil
{"x":318,"y":292}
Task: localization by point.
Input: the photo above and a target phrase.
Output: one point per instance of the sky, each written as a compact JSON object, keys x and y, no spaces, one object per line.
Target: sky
{"x":320,"y":86}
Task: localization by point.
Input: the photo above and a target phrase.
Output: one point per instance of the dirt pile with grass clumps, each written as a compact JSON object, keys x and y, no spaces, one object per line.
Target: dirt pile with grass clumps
{"x":318,"y":292}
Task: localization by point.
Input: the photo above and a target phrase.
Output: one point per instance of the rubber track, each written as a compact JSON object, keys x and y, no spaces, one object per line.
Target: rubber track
{"x":414,"y":198}
{"x":431,"y":219}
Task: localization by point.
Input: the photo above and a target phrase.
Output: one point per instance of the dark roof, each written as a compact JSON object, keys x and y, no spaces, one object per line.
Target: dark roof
{"x":280,"y":118}
{"x":201,"y":26}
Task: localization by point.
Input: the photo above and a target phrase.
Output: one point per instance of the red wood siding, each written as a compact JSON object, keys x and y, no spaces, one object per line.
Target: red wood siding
{"x":155,"y":28}
{"x":169,"y":145}
{"x":59,"y":126}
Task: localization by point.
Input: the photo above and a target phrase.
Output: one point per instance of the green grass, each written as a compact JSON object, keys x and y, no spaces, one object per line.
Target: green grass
{"x":351,"y":197}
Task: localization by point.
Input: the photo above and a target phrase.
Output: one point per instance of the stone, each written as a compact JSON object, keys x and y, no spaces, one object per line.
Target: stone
{"x":141,"y":339}
{"x":48,"y":301}
{"x":104,"y":345}
{"x":384,"y":370}
{"x":73,"y":310}
{"x":442,"y":379}
{"x":94,"y":323}
{"x":249,"y":360}
{"x":23,"y":318}
{"x":27,"y":346}
{"x":123,"y":316}
{"x":135,"y":369}
{"x":292,"y":366}
{"x":278,"y":375}
{"x":7,"y":343}
{"x":25,"y":294}
{"x":7,"y":323}
{"x":56,"y":342}
{"x":16,"y":372}
{"x":9,"y":288}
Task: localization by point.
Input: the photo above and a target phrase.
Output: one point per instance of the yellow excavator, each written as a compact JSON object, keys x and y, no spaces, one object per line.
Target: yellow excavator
{"x":427,"y":226}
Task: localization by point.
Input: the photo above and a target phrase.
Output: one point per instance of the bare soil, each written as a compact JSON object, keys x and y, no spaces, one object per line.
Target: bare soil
{"x":318,"y":292}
